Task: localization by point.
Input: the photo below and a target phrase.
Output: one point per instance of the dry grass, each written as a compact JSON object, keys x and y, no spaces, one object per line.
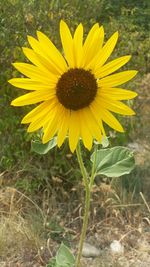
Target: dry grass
{"x":23,"y":235}
{"x":21,"y":229}
{"x":16,"y":235}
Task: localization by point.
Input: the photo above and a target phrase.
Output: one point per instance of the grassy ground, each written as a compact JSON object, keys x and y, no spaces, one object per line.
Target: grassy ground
{"x":33,"y":227}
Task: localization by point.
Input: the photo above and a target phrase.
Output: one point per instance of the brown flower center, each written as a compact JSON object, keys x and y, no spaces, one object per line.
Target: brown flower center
{"x":76,"y":88}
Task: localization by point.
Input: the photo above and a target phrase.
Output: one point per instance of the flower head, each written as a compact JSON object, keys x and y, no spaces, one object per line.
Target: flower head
{"x":77,"y":92}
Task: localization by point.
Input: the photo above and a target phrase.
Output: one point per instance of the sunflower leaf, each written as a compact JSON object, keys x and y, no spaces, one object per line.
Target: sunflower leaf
{"x":42,"y":149}
{"x":64,"y":257}
{"x":114,"y":162}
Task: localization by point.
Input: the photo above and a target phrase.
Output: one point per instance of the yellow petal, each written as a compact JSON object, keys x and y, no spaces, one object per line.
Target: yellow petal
{"x":94,"y":107}
{"x":117,"y":79}
{"x":104,"y":53}
{"x":33,"y":72}
{"x":34,"y":97}
{"x":41,"y":62}
{"x":67,"y":43}
{"x":93,"y":46}
{"x":116,"y":93}
{"x":85,"y":132}
{"x":78,"y":45}
{"x":104,"y":115}
{"x":36,"y":111}
{"x":63,"y":128}
{"x":51,"y":127}
{"x":41,"y":50}
{"x":111,"y":66}
{"x":91,"y":123}
{"x":39,"y":111}
{"x":52,"y":51}
{"x":36,"y":46}
{"x":109,"y":119}
{"x":116,"y":106}
{"x":43,"y":117}
{"x":101,"y":38}
{"x":89,"y":37}
{"x":36,"y":125}
{"x":33,"y":57}
{"x":74,"y":130}
{"x":53,"y":71}
{"x":28,"y":84}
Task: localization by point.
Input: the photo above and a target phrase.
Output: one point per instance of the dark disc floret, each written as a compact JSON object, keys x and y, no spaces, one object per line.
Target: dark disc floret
{"x":76,"y":88}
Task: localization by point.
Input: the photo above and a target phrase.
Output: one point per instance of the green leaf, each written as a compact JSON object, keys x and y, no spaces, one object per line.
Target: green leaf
{"x":42,"y":149}
{"x":52,"y":263}
{"x":114,"y":162}
{"x":64,"y":257}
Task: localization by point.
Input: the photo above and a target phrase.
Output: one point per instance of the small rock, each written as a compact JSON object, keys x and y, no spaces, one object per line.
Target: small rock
{"x":116,"y":247}
{"x":90,"y":251}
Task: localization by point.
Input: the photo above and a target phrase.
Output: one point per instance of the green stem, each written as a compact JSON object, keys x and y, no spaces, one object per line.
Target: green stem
{"x":86,"y":207}
{"x":93,"y":167}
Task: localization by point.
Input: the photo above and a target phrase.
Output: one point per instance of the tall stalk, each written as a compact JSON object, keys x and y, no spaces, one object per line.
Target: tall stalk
{"x":86,"y":205}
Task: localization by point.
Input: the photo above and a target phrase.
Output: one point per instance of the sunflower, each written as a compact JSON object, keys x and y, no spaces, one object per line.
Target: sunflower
{"x":77,"y":92}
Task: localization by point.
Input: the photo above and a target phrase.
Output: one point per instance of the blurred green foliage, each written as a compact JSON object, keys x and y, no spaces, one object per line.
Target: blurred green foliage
{"x":18,"y":18}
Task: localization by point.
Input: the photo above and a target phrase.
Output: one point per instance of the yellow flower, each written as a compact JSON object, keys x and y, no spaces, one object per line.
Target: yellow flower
{"x":77,"y":91}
